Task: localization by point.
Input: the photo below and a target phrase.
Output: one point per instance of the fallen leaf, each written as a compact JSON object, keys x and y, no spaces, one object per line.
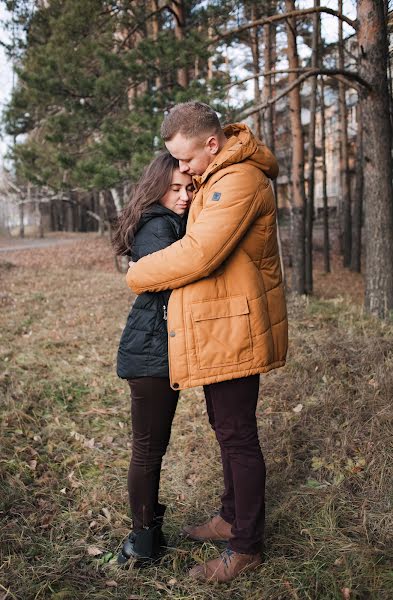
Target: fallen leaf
{"x":298,"y":408}
{"x":89,"y":443}
{"x":172,"y":581}
{"x":94,"y":551}
{"x":346,"y":593}
{"x":111,"y":583}
{"x":33,"y":464}
{"x":106,"y":513}
{"x":338,"y":562}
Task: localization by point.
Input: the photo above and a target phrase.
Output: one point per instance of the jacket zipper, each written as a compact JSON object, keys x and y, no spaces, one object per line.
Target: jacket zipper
{"x":165,"y":313}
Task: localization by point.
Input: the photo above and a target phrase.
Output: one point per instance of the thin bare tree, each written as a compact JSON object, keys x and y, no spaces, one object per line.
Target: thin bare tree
{"x":357,"y":205}
{"x":345,"y":204}
{"x":311,"y":159}
{"x":326,"y":241}
{"x":297,"y":171}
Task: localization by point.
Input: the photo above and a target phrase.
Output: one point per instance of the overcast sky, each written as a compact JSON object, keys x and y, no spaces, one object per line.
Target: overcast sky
{"x":329,"y":32}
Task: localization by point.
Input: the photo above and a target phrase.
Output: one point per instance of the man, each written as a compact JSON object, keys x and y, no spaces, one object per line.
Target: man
{"x":227,"y":316}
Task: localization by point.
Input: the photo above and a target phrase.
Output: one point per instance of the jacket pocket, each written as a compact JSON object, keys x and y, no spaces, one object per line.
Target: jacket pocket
{"x":222,"y":331}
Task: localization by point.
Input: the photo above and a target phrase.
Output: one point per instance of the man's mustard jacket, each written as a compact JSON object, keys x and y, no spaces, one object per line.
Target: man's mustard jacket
{"x":227,"y":314}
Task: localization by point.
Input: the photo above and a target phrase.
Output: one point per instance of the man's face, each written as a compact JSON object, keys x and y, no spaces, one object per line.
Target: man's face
{"x":194,"y":154}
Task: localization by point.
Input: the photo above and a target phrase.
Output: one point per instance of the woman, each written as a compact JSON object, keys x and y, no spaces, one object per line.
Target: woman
{"x":155,"y":218}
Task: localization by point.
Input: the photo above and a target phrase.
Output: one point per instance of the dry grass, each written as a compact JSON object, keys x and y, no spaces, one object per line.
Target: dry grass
{"x":65,"y":447}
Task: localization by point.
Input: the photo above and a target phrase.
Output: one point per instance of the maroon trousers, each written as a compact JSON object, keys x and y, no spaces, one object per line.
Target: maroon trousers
{"x":231,"y":409}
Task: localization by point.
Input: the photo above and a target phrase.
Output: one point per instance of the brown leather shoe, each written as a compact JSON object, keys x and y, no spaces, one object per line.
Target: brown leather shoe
{"x":226,"y":567}
{"x":215,"y":530}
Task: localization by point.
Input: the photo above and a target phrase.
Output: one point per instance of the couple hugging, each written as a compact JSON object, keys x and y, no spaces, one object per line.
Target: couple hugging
{"x":200,"y":228}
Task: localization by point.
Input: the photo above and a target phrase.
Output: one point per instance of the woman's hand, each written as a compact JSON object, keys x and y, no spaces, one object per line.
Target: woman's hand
{"x":131,"y":264}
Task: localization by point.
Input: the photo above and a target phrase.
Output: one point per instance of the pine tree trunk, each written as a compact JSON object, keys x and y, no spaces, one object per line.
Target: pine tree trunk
{"x":154,"y":6}
{"x":344,"y":162}
{"x":377,"y":168}
{"x":101,"y":213}
{"x":38,"y":213}
{"x":298,"y":191}
{"x":358,"y":197}
{"x":311,"y":158}
{"x":179,"y":10}
{"x":268,"y":34}
{"x":21,"y":219}
{"x":326,"y":241}
{"x":210,"y":60}
{"x":254,"y":43}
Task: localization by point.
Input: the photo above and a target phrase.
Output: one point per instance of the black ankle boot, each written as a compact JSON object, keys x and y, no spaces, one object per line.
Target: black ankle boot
{"x":145,"y":545}
{"x":158,"y":520}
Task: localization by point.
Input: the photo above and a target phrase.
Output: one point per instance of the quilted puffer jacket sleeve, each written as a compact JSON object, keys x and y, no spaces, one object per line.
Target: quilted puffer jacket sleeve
{"x":235,"y":201}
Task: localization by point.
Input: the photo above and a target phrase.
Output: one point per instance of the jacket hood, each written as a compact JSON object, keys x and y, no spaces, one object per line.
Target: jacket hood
{"x":242,"y":146}
{"x":157,"y":210}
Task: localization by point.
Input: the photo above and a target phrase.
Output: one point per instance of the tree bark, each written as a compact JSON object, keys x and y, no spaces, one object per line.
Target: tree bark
{"x":269,"y":92}
{"x":155,"y":32}
{"x":21,"y":219}
{"x":326,"y":241}
{"x":345,"y":216}
{"x":179,"y":10}
{"x":298,"y":191}
{"x":378,"y":189}
{"x":311,"y":158}
{"x":268,"y":83}
{"x":357,"y":215}
{"x":254,"y":43}
{"x":102,"y":212}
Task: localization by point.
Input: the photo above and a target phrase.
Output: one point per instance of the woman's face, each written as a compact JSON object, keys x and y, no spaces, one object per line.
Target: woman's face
{"x":179,"y":195}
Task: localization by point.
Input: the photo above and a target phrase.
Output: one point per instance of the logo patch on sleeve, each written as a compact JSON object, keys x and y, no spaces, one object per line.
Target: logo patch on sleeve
{"x":216,"y":196}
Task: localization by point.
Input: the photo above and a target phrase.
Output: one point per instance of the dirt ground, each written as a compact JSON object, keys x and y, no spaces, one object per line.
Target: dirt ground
{"x":325,"y":425}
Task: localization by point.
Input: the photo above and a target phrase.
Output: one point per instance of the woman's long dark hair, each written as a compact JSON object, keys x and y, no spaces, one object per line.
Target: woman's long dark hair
{"x":153,"y":184}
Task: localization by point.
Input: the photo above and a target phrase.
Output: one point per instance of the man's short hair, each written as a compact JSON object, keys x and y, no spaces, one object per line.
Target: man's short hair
{"x":190,"y":119}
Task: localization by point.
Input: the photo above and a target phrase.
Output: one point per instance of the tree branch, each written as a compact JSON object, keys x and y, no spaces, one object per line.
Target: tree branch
{"x":264,"y":74}
{"x":337,"y":73}
{"x":281,"y":17}
{"x":309,"y":73}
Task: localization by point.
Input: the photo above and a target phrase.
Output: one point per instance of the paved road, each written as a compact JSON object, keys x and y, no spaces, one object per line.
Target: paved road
{"x":38,"y":243}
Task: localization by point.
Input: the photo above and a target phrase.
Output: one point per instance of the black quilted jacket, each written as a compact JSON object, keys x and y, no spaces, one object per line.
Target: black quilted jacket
{"x":143,"y":348}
